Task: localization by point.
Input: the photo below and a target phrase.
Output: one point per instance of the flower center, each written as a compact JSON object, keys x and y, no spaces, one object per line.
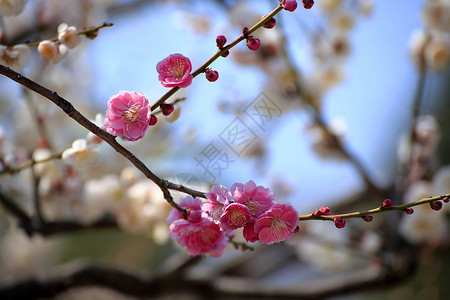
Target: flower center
{"x":177,"y":69}
{"x":278,"y":224}
{"x":132,"y":114}
{"x":237,"y":217}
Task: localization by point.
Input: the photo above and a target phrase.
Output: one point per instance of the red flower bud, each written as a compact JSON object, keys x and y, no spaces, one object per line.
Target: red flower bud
{"x":270,"y":23}
{"x":308,"y":3}
{"x":325,"y":210}
{"x":436,"y":205}
{"x":153,"y":120}
{"x":387,"y":204}
{"x":339,"y":222}
{"x":367,"y":218}
{"x":225,"y":54}
{"x":253,"y":43}
{"x":221,"y":40}
{"x":211,"y":75}
{"x":408,"y":210}
{"x":167,"y":108}
{"x":289,"y":5}
{"x":317,"y":213}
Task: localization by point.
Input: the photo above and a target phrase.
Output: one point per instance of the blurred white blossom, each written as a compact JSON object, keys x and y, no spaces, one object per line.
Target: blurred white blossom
{"x":22,"y":256}
{"x":324,"y":246}
{"x":145,"y":211}
{"x":11,"y":7}
{"x":68,"y":35}
{"x":424,"y":225}
{"x":80,"y":154}
{"x":15,"y":57}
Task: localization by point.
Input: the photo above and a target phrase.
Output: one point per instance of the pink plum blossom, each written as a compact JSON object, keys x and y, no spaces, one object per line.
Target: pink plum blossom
{"x":198,"y":234}
{"x":175,"y":70}
{"x":203,"y":237}
{"x":219,"y":197}
{"x":257,"y":198}
{"x":190,"y":204}
{"x":277,"y":224}
{"x":128,"y":115}
{"x":235,"y":216}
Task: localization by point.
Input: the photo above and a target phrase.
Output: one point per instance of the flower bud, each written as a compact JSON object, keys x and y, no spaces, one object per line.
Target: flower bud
{"x":339,"y":222}
{"x":68,"y":35}
{"x":436,"y":205}
{"x":270,"y":24}
{"x":153,"y":120}
{"x":92,"y":34}
{"x":253,"y":43}
{"x":367,"y":218}
{"x":226,"y":53}
{"x":325,"y":210}
{"x":408,"y":210}
{"x":211,"y":75}
{"x":167,"y":108}
{"x":387,"y":204}
{"x":316,"y":213}
{"x":289,"y":5}
{"x":307,"y":4}
{"x":221,"y":40}
{"x":48,"y":50}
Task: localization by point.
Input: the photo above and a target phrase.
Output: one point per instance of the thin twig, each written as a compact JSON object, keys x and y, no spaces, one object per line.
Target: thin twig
{"x":82,"y":32}
{"x":219,"y":52}
{"x":372,"y":211}
{"x":29,"y":164}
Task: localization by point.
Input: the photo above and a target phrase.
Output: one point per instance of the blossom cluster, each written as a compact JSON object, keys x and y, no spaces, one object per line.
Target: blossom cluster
{"x":209,"y":225}
{"x":68,"y":38}
{"x":431,"y":46}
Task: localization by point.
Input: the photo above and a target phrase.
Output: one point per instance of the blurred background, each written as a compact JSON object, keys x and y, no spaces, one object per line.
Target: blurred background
{"x":343,"y":105}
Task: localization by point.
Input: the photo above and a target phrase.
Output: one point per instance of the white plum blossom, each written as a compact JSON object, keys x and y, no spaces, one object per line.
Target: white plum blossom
{"x":46,"y":168}
{"x":68,"y":35}
{"x":424,"y":225}
{"x":80,"y":154}
{"x":324,"y":247}
{"x":441,"y":180}
{"x":145,"y":211}
{"x":436,"y":15}
{"x":11,"y":7}
{"x":15,"y":57}
{"x":22,"y":256}
{"x":437,"y":54}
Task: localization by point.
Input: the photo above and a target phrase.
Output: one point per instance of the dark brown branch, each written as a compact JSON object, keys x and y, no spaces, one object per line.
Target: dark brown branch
{"x":68,"y":108}
{"x":52,"y":228}
{"x":24,"y":220}
{"x":41,"y":227}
